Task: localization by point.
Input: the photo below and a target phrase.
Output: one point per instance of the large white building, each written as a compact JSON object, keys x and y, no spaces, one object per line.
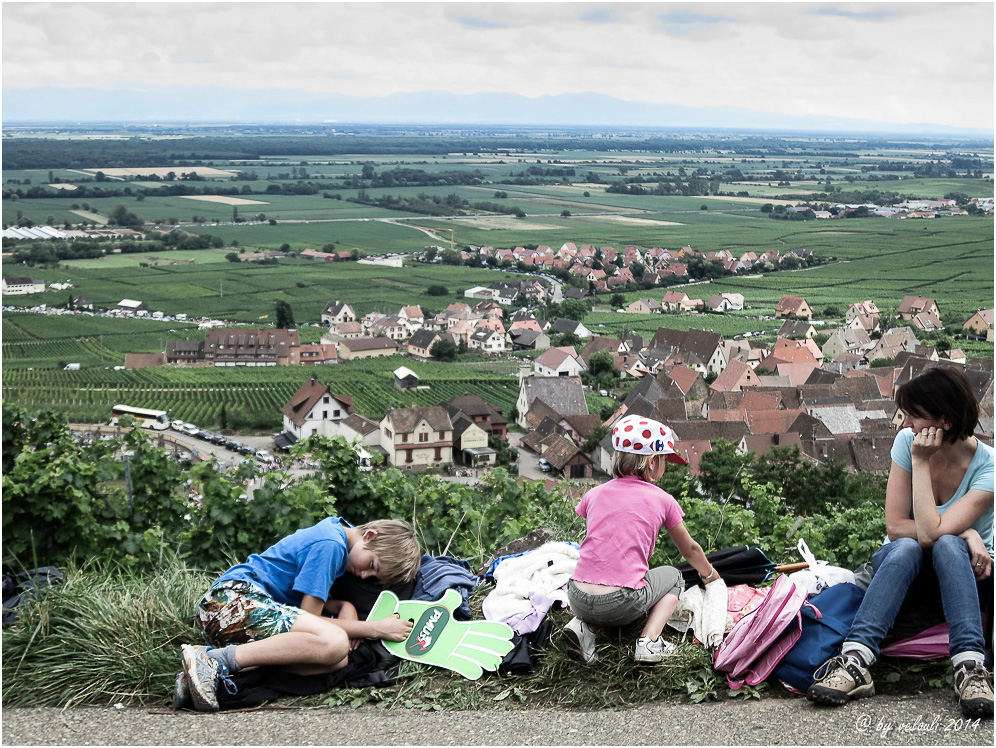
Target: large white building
{"x":22,"y":286}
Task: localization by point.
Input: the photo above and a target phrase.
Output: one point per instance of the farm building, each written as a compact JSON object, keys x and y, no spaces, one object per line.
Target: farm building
{"x":921,"y":311}
{"x":133,"y":307}
{"x":644,"y":306}
{"x":563,"y":395}
{"x":367,"y":348}
{"x":470,"y":444}
{"x":20,"y":286}
{"x":314,"y":354}
{"x":481,"y":412}
{"x":141,"y":360}
{"x":405,"y":378}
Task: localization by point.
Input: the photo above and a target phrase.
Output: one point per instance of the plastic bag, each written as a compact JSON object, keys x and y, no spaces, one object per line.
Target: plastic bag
{"x":820,"y":574}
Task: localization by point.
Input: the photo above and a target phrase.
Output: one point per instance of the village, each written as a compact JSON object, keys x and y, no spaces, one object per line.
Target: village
{"x":833,"y":402}
{"x":826,"y":389}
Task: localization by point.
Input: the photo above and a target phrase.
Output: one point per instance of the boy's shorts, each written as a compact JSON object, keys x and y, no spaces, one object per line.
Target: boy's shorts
{"x":236,"y":612}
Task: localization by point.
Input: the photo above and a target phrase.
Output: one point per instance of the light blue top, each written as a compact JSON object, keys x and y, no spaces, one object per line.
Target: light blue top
{"x":978,"y":476}
{"x":304,"y":563}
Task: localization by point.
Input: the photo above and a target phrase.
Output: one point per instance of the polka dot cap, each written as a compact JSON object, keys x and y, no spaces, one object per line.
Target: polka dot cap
{"x":645,"y":436}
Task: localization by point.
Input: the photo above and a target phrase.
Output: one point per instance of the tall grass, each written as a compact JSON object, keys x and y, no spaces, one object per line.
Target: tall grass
{"x":106,"y":634}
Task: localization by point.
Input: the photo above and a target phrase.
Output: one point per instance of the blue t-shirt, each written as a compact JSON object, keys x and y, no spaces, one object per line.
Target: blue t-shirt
{"x":978,"y":476}
{"x":304,"y":563}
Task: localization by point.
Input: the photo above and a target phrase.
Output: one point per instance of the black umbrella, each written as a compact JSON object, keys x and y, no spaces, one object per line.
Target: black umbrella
{"x":742,"y":564}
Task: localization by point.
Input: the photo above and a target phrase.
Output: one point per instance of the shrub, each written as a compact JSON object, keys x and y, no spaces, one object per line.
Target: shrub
{"x":69,"y":646}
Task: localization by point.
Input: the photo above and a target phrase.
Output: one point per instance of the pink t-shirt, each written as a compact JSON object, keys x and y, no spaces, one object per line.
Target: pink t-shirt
{"x":624,"y":517}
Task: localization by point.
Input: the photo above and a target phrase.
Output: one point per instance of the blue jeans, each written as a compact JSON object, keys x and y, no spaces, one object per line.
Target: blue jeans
{"x":897,"y":565}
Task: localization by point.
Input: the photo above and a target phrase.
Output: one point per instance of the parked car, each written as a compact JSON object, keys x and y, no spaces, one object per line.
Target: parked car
{"x":190,"y":430}
{"x":544,"y":465}
{"x":264,"y":456}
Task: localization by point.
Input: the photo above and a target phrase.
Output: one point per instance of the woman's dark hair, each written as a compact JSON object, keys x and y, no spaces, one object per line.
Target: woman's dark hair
{"x":942,"y":392}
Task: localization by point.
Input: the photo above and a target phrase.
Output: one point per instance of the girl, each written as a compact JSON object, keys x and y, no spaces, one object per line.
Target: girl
{"x":939,"y":519}
{"x":613,"y":584}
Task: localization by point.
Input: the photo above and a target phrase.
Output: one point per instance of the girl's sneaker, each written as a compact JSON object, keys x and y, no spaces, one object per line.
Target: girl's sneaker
{"x":582,"y":638}
{"x":653,"y":650}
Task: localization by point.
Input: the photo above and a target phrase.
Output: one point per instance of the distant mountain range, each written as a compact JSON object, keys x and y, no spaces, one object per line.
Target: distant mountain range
{"x":205,"y":104}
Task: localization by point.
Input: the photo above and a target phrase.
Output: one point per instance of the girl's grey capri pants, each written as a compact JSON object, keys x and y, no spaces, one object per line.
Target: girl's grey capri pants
{"x":625,"y":605}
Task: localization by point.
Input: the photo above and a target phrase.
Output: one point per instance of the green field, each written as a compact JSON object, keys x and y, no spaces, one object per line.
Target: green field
{"x":245,"y":292}
{"x":42,"y":341}
{"x":949,"y":258}
{"x":197,"y":395}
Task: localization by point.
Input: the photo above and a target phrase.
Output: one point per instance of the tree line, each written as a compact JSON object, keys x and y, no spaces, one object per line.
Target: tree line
{"x":45,"y":153}
{"x":123,"y":498}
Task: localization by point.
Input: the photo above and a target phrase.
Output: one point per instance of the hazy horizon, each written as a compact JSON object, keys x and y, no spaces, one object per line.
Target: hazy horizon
{"x":840,"y":66}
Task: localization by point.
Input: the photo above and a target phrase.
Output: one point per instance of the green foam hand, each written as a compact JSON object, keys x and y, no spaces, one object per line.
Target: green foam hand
{"x":468,"y":647}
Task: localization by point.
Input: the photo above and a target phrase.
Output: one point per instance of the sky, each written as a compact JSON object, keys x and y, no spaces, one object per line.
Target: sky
{"x":900,"y":62}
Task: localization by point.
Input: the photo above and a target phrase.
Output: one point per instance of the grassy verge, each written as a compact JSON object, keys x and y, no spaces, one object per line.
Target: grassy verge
{"x":104,"y":635}
{"x":109,"y":635}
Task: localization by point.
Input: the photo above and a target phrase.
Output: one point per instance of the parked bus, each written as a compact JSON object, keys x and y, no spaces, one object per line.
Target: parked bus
{"x":144,"y":417}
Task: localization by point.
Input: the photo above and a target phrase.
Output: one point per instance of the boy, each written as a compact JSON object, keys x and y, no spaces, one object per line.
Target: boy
{"x":268,"y":610}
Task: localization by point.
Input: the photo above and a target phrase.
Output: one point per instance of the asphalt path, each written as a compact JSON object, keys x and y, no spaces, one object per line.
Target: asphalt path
{"x":930,"y":718}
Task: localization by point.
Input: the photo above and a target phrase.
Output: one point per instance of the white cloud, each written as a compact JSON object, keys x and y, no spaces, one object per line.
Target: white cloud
{"x":899,"y":62}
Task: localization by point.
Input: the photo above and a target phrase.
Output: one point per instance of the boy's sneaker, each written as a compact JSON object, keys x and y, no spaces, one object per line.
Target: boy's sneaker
{"x":181,"y":691}
{"x":975,"y":693}
{"x":840,"y":679}
{"x":582,"y":639}
{"x":653,"y":650}
{"x":204,"y":673}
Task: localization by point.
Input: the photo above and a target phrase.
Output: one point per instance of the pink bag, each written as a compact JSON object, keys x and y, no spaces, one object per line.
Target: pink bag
{"x":743,"y":599}
{"x":760,"y":639}
{"x":930,"y":644}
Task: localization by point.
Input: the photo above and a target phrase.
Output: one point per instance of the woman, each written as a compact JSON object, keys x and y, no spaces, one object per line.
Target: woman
{"x":939,"y":519}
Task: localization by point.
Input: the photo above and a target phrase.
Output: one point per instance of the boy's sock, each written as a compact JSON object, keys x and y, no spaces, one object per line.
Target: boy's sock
{"x":226,"y":656}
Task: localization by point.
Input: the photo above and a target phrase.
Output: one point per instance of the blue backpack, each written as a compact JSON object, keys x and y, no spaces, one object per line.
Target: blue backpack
{"x":825,"y":622}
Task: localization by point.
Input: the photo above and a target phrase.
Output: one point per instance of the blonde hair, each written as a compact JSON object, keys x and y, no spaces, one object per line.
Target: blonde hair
{"x":627,"y":463}
{"x":396,"y":548}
